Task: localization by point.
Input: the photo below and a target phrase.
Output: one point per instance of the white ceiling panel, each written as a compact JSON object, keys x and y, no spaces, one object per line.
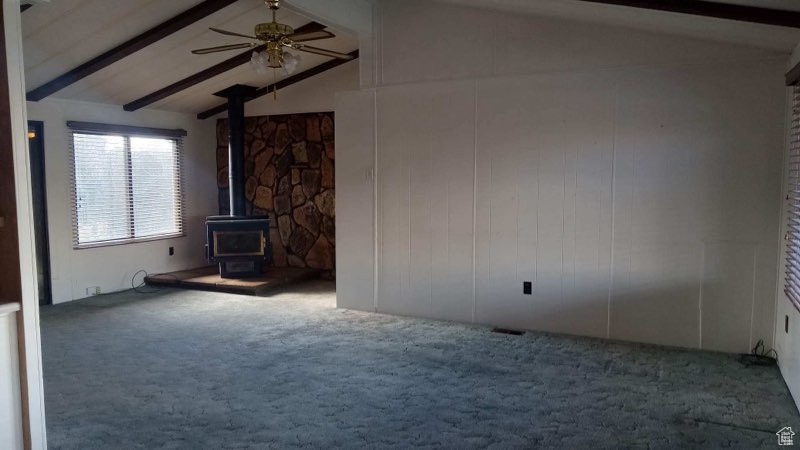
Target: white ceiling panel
{"x":158,"y":65}
{"x":57,"y":37}
{"x":730,"y":31}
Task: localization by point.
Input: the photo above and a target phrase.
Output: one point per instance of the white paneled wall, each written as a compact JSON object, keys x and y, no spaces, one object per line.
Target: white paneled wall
{"x":643,"y":204}
{"x":355,"y":203}
{"x":634,"y":178}
{"x":545,"y":150}
{"x":425,"y":195}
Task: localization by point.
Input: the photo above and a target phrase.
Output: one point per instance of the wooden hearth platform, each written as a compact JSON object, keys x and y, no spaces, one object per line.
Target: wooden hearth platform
{"x":208,"y":279}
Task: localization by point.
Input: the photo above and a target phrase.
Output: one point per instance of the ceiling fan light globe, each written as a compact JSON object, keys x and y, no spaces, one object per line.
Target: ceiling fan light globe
{"x":290,"y":62}
{"x":259,"y":62}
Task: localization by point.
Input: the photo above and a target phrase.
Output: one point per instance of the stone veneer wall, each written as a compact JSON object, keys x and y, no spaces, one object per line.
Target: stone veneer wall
{"x":289,"y":169}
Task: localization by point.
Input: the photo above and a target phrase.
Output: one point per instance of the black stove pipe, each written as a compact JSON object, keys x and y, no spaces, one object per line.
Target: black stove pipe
{"x":236,"y":95}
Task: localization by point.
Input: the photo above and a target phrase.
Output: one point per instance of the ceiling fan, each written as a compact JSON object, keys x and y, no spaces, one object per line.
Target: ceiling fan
{"x":275,"y":37}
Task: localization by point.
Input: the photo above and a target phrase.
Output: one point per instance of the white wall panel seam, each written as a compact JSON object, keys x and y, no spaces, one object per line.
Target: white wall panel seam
{"x":632,"y":208}
{"x":700,"y":295}
{"x":429,"y":139}
{"x":407,"y":160}
{"x":516,"y":215}
{"x":474,"y":194}
{"x":571,"y":287}
{"x":489,"y":211}
{"x":535,"y":289}
{"x":613,"y":206}
{"x":563,"y":225}
{"x":753,"y":295}
{"x":377,"y":223}
{"x":448,"y":275}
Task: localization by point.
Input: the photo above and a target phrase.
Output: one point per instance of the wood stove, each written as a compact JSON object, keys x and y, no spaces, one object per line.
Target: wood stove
{"x":239,"y":244}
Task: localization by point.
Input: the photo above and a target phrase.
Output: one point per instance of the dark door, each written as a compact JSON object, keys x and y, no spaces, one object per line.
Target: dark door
{"x":39,"y":199}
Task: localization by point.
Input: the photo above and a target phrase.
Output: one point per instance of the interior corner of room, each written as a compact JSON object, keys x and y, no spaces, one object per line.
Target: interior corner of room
{"x":341,"y":189}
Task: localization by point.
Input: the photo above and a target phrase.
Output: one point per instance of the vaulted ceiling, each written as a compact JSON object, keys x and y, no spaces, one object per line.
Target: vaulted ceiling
{"x":63,"y":34}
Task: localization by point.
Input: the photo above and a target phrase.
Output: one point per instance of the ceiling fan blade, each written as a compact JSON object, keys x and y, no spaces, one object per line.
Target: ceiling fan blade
{"x":222,"y":48}
{"x":231,"y":33}
{"x":311,"y":36}
{"x":323,"y":52}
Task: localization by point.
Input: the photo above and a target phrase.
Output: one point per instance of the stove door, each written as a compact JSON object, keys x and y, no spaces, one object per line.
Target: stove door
{"x":239,"y":243}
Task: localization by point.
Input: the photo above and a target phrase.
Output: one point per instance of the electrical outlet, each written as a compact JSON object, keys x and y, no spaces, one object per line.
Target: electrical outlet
{"x":92,"y":290}
{"x":527,"y":288}
{"x":171,"y":251}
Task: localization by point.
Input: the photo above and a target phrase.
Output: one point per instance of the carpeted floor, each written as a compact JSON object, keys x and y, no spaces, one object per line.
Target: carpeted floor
{"x":186,"y":369}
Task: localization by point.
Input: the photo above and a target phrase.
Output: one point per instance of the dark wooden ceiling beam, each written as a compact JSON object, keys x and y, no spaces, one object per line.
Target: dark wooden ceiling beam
{"x":286,"y":82}
{"x":742,"y":13}
{"x":129,"y":47}
{"x":793,"y":76}
{"x":211,"y":72}
{"x":192,"y":80}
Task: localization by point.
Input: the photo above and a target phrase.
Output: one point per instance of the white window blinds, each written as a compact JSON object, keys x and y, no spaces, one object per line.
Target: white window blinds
{"x":792,"y":238}
{"x":126,"y":183}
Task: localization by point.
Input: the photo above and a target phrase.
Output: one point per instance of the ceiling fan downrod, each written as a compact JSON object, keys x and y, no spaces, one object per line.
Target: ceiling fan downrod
{"x":273,"y":5}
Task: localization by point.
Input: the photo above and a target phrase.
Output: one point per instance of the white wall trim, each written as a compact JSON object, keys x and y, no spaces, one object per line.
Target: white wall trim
{"x":28,"y":329}
{"x":9,"y":308}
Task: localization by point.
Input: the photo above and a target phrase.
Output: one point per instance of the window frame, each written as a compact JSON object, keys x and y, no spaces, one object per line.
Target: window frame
{"x":127,"y":133}
{"x":791,"y":222}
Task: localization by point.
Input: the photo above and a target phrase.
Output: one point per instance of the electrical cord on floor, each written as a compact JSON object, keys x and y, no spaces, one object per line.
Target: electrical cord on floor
{"x":759,"y":356}
{"x":138,"y":288}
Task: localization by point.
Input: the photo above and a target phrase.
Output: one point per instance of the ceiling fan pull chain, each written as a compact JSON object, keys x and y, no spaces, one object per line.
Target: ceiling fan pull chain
{"x":275,"y":85}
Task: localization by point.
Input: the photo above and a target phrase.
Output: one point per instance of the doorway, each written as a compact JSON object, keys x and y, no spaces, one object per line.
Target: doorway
{"x":39,"y":200}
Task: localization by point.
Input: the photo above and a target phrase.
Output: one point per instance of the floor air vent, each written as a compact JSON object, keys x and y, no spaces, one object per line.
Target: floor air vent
{"x":508,"y":331}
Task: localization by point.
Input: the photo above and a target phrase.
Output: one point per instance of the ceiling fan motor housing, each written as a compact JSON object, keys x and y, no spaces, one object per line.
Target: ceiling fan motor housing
{"x":272,"y":31}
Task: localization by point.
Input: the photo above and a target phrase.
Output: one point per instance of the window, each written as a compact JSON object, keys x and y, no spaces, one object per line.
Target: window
{"x":126,"y":184}
{"x":792,"y":238}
